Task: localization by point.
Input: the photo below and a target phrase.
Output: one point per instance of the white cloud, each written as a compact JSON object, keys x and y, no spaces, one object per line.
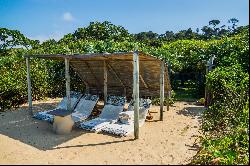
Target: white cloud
{"x":56,"y":35}
{"x":67,"y":16}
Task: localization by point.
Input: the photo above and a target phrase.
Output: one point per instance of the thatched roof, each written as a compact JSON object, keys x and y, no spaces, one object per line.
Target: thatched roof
{"x":90,"y":68}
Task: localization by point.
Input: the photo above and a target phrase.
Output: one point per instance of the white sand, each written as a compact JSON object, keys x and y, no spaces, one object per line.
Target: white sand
{"x":25,"y":140}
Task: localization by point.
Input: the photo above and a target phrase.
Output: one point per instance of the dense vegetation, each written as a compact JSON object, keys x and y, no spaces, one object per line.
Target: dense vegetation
{"x":225,"y":122}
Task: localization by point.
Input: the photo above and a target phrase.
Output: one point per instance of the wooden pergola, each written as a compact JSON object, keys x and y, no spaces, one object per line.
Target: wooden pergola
{"x":128,"y":73}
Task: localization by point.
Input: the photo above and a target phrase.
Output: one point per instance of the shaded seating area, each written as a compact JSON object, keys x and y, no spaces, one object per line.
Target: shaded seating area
{"x":84,"y":108}
{"x":132,"y":75}
{"x":44,"y":115}
{"x":110,"y":112}
{"x":124,"y":125}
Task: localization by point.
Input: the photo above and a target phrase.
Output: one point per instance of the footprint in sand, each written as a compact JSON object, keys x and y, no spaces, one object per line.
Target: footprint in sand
{"x":172,"y":157}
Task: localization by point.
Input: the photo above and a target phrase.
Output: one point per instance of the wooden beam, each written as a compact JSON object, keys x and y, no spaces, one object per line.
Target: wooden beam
{"x":167,"y":71}
{"x":82,"y":78}
{"x":92,"y":72}
{"x":67,"y":78}
{"x":29,"y":85}
{"x":168,"y":96}
{"x":206,"y":88}
{"x":105,"y":90}
{"x":116,"y":75}
{"x":124,"y":91}
{"x":209,"y":67}
{"x":136,"y":93}
{"x":86,"y":85}
{"x":117,"y":60}
{"x":142,"y":80}
{"x":91,"y":56}
{"x":87,"y":88}
{"x":162,"y":90}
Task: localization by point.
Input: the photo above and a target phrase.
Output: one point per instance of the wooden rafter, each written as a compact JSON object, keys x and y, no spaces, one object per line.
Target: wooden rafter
{"x":92,"y":72}
{"x":142,"y":80}
{"x":116,"y":75}
{"x":82,"y":77}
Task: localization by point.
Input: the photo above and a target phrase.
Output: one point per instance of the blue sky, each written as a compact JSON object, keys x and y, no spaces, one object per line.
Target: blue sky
{"x":43,"y":19}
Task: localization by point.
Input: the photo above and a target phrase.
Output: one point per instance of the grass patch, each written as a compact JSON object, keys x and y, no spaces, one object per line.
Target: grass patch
{"x":186,"y":92}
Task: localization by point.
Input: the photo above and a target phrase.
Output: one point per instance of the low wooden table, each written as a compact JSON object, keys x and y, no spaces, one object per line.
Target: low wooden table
{"x":63,"y":122}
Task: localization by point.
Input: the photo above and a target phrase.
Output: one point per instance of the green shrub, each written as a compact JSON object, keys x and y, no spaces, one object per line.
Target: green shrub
{"x":226,"y":121}
{"x":47,"y":79}
{"x":201,"y":101}
{"x":229,"y":148}
{"x":156,"y":101}
{"x":13,"y":80}
{"x":229,"y":91}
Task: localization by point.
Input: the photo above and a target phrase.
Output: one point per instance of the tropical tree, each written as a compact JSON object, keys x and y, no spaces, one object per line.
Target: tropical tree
{"x":13,"y":38}
{"x":102,"y":31}
{"x":234,"y":22}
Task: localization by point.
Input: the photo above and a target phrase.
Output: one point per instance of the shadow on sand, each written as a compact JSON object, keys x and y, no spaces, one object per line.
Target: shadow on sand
{"x":102,"y":143}
{"x":192,"y":111}
{"x":19,"y":125}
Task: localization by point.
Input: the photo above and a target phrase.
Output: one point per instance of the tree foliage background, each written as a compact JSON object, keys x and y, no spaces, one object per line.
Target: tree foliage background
{"x":225,"y":122}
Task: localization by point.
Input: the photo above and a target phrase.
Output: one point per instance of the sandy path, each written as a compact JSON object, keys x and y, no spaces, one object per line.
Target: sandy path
{"x":24,"y":140}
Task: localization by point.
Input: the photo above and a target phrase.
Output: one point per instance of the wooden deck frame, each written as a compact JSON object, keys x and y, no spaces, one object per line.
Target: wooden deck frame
{"x":106,"y":66}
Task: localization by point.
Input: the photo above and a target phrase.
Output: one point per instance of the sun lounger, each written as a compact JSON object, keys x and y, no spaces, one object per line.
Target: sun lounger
{"x":84,"y":107}
{"x":44,"y":115}
{"x":110,"y":112}
{"x":124,"y":125}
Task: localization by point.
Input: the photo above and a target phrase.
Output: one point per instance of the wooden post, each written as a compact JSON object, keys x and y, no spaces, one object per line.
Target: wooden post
{"x":211,"y":63}
{"x":87,"y":88}
{"x":67,"y":77}
{"x":206,"y":95}
{"x":162,"y":90}
{"x":105,"y":90}
{"x":136,"y":93}
{"x":209,"y":67}
{"x":124,"y":92}
{"x":29,"y":86}
{"x":168,"y":96}
{"x":169,"y":70}
{"x":168,"y":88}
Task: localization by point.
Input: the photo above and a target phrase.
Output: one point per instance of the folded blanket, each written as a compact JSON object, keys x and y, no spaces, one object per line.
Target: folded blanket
{"x":119,"y":129}
{"x":125,"y":123}
{"x":95,"y":124}
{"x":44,"y":116}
